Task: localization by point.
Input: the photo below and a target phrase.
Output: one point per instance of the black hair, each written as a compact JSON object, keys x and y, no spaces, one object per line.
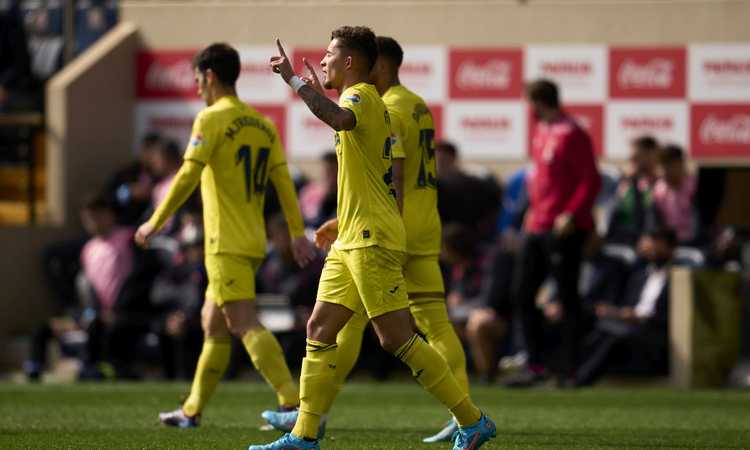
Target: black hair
{"x":222,"y":59}
{"x":447,"y":147}
{"x":543,"y":91}
{"x":329,"y":157}
{"x":98,"y":202}
{"x":360,"y":40}
{"x":646,"y":143}
{"x":671,"y":153}
{"x":389,"y":48}
{"x":150,"y":139}
{"x":663,"y":234}
{"x":171,"y":151}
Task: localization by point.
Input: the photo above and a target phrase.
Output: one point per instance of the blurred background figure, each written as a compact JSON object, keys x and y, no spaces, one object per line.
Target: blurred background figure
{"x":317,"y":199}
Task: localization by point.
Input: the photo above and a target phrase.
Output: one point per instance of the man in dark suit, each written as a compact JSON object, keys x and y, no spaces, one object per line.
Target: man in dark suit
{"x":631,"y":327}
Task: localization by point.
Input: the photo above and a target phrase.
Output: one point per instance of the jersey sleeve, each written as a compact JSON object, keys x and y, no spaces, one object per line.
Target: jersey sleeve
{"x":201,"y":145}
{"x":397,"y":136}
{"x":353,"y":100}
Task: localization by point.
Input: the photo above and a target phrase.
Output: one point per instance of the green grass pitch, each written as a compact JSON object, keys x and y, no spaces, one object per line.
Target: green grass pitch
{"x":372,"y":416}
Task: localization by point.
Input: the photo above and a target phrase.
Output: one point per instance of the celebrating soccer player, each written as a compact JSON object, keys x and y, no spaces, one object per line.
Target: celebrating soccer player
{"x":363,"y":271}
{"x":414,"y":175}
{"x":233,"y":152}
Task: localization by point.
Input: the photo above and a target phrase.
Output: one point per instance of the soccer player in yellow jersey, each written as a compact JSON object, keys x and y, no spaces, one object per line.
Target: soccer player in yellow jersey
{"x":415,"y":176}
{"x":363,"y":271}
{"x":233,"y":152}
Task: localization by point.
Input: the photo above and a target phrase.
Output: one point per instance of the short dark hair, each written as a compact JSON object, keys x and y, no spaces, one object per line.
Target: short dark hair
{"x":150,"y":139}
{"x":222,"y":59}
{"x":671,"y":153}
{"x":461,"y":239}
{"x":646,"y":143}
{"x":543,"y":91}
{"x":329,"y":157}
{"x":663,"y":234}
{"x":358,"y":39}
{"x":389,"y":48}
{"x":98,"y":202}
{"x":171,"y":151}
{"x":448,"y":147}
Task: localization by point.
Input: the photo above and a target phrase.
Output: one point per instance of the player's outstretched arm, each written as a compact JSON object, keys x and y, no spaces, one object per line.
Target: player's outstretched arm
{"x":324,"y":108}
{"x":183,"y":185}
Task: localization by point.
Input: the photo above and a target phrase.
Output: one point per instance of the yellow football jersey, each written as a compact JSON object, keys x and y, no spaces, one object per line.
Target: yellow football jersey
{"x":240,"y":148}
{"x":367,"y":210}
{"x":412,"y":125}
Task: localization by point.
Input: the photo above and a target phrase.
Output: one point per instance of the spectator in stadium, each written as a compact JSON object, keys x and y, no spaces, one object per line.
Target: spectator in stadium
{"x":177,"y":296}
{"x":317,"y":199}
{"x":281,"y":275}
{"x":477,"y":282}
{"x":562,"y":192}
{"x":114,"y":284}
{"x":16,"y":83}
{"x":132,"y":186}
{"x":674,"y":195}
{"x":631,"y":215}
{"x":631,"y":324}
{"x":93,"y":19}
{"x":165,"y":163}
{"x":465,"y":198}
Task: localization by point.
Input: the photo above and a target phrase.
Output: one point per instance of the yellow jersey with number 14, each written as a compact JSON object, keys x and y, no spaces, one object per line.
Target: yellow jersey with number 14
{"x":412,"y":125}
{"x":239,"y":148}
{"x":367,"y":210}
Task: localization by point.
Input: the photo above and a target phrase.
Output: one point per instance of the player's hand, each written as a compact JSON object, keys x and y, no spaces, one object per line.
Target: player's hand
{"x":326,"y":235}
{"x":302,"y":250}
{"x":144,"y":234}
{"x":312,"y":80}
{"x":564,"y":225}
{"x":281,"y":64}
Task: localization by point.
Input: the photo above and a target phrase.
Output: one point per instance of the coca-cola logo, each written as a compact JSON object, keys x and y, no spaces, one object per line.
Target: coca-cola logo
{"x":727,"y":67}
{"x":486,"y":123}
{"x":651,"y":123}
{"x":657,"y":73}
{"x":734,"y":130}
{"x":493,"y":74}
{"x":577,"y":68}
{"x":178,"y":76}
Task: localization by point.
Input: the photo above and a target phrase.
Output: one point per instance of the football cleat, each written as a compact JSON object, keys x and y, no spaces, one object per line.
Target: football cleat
{"x":444,"y":435}
{"x":179,"y":419}
{"x":285,"y":420}
{"x":473,"y":437}
{"x":288,"y":442}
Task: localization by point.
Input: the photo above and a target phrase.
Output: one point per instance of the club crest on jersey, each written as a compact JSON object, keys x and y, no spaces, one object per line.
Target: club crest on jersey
{"x":197,"y":140}
{"x":354,"y":98}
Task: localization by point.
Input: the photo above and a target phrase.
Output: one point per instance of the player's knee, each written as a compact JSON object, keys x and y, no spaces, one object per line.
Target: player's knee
{"x":391,"y":342}
{"x":317,"y":330}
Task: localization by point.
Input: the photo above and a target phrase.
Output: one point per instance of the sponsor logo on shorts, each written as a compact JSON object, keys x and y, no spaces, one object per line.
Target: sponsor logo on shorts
{"x":393,"y":291}
{"x":230,"y":282}
{"x":366,"y":234}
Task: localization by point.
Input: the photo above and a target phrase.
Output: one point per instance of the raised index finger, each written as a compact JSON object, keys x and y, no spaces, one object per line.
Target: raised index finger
{"x":281,"y":48}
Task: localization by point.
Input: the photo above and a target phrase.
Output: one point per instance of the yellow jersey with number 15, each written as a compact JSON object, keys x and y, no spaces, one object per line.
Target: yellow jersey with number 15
{"x":239,"y":148}
{"x":414,"y":130}
{"x":367,"y":210}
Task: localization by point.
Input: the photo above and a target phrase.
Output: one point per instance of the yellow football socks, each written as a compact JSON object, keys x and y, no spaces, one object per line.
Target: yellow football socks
{"x":349,"y":342}
{"x":432,"y":319}
{"x":211,"y":367}
{"x":432,"y":372}
{"x":268,"y":359}
{"x":317,"y":387}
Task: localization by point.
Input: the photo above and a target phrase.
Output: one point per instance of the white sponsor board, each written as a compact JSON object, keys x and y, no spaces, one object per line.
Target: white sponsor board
{"x":487,"y":130}
{"x":257,"y":83}
{"x":580,"y":71}
{"x":425,"y":71}
{"x":719,"y":73}
{"x":173,"y":119}
{"x":307,"y":136}
{"x":667,"y":121}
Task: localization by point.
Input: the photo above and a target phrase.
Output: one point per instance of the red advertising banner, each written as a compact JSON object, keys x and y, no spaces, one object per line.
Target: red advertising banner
{"x":166,"y":74}
{"x":720,"y":130}
{"x":647,"y":73}
{"x":486,"y":73}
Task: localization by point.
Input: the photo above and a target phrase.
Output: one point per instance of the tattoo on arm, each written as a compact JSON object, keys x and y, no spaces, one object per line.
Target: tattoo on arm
{"x":326,"y":110}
